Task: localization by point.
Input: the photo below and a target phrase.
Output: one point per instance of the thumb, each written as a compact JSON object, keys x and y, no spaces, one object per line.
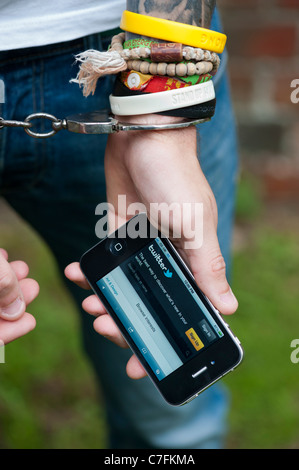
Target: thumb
{"x":209,"y":271}
{"x":12,"y":304}
{"x":208,"y":267}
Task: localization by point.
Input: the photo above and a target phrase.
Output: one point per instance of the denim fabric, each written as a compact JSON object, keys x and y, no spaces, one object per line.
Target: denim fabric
{"x":56,"y":184}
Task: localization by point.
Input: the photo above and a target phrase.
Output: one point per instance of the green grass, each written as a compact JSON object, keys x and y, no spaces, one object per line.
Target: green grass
{"x":265,"y":387}
{"x":265,"y":395}
{"x":48,"y":397}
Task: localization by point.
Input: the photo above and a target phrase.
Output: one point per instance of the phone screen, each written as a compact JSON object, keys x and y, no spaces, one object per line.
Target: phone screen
{"x":165,"y":317}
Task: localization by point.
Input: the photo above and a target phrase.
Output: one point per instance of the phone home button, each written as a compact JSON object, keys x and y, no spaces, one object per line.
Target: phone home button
{"x":117,"y":247}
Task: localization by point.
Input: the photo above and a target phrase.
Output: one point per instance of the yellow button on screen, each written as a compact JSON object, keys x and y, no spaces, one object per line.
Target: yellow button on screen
{"x":194,"y":339}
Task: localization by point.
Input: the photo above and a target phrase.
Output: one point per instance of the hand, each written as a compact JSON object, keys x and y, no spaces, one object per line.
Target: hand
{"x":162,"y":167}
{"x":16,"y":292}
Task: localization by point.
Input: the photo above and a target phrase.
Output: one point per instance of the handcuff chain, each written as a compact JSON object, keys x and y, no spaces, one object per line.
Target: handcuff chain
{"x":56,"y":124}
{"x":98,"y":122}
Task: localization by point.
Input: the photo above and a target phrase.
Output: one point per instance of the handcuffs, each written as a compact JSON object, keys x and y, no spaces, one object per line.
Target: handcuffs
{"x":102,"y":122}
{"x":96,"y":122}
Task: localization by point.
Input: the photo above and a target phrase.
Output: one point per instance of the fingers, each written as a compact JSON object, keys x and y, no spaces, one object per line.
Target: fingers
{"x":105,"y":326}
{"x":16,"y":291}
{"x":13,"y":330}
{"x":74,"y":274}
{"x":134,"y":369}
{"x":20,"y":268}
{"x":93,"y":306}
{"x":12,"y":303}
{"x":30,"y":290}
{"x":4,"y":253}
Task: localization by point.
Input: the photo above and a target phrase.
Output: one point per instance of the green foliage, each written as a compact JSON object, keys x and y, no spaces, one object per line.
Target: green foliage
{"x":248,"y":203}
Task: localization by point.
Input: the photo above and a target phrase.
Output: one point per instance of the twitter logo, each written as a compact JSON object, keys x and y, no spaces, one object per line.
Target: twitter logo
{"x":168,"y":274}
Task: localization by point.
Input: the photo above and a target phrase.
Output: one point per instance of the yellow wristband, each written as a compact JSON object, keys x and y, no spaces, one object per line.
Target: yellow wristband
{"x":172,"y":31}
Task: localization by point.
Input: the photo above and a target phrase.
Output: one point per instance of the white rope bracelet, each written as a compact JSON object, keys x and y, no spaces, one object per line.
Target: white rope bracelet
{"x":162,"y":101}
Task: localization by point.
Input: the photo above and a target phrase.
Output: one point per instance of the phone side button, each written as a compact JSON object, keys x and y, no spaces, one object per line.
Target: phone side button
{"x":199,"y":372}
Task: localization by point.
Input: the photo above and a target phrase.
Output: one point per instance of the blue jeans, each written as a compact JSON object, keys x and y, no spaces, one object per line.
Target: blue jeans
{"x":56,"y":184}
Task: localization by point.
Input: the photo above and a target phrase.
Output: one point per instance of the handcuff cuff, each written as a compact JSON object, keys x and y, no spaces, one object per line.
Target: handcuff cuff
{"x":96,"y":122}
{"x":101,"y":122}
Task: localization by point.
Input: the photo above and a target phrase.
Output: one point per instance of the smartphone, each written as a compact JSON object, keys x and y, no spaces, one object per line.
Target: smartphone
{"x":174,"y":330}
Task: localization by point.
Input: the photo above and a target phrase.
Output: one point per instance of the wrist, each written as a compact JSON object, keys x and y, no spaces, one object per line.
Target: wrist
{"x":149,"y":119}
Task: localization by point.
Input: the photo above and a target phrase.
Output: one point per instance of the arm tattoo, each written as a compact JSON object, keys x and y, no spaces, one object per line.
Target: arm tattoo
{"x":194,"y":12}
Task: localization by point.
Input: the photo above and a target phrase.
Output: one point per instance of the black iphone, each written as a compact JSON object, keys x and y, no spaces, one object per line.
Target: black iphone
{"x":178,"y":336}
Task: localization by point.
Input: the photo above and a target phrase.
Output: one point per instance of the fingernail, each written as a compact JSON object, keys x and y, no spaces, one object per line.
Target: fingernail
{"x":14,"y":310}
{"x":228,"y":298}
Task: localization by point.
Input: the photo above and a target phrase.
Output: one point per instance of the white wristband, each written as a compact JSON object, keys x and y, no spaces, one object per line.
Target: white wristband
{"x":162,"y":101}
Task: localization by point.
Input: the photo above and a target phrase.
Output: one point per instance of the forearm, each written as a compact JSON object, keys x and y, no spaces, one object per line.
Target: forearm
{"x":161,"y":171}
{"x":194,"y":12}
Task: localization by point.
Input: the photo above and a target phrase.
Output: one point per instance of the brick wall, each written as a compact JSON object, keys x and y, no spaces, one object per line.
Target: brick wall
{"x":263,"y":46}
